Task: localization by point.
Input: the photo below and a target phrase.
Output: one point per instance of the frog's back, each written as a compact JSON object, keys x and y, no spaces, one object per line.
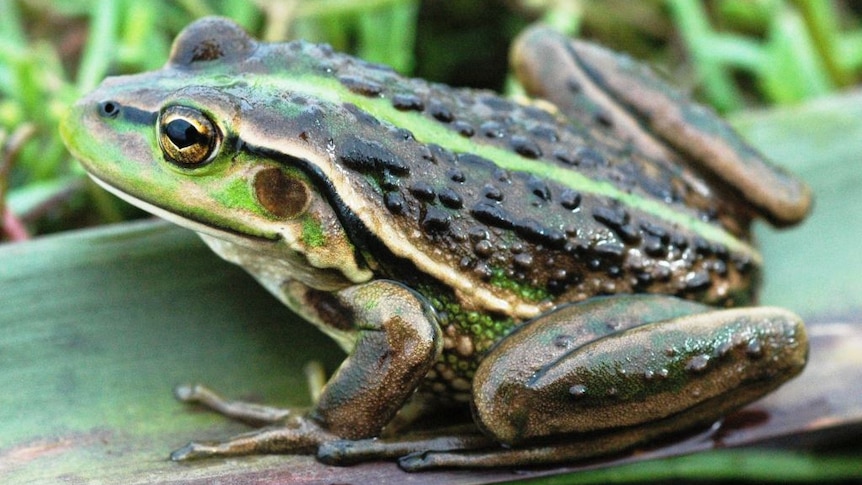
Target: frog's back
{"x":516,"y":207}
{"x":508,"y":206}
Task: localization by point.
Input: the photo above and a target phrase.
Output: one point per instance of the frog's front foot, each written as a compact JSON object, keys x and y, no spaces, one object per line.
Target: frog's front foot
{"x":299,"y":435}
{"x":288,"y":430}
{"x":250,"y":413}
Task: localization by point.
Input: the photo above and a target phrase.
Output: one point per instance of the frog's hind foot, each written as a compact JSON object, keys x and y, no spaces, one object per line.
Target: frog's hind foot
{"x":573,"y":450}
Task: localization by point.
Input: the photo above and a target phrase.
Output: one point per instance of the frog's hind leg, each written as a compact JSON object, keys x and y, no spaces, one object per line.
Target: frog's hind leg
{"x":596,"y":86}
{"x":600,"y":377}
{"x":625,"y":369}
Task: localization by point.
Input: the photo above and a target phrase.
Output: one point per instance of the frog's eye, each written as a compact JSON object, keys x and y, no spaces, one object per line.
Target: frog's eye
{"x":187,"y":137}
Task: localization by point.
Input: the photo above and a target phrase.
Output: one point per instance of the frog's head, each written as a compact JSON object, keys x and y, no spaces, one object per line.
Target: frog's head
{"x":193,"y":142}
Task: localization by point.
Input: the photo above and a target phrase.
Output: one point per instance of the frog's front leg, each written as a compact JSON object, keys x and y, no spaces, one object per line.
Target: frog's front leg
{"x":397,"y":340}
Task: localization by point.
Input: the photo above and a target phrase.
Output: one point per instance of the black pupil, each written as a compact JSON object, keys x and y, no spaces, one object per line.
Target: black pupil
{"x":183,"y":134}
{"x":108,"y":109}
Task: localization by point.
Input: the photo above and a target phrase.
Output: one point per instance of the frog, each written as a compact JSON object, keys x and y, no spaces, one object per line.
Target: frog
{"x":573,"y":268}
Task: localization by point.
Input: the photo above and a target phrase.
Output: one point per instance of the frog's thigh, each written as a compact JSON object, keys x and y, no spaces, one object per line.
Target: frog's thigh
{"x":398,"y":341}
{"x":668,"y":360}
{"x":584,"y":80}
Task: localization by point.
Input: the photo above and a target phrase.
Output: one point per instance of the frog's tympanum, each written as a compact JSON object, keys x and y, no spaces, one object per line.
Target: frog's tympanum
{"x":576,"y":269}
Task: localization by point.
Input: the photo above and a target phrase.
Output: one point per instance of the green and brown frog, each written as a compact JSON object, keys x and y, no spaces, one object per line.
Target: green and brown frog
{"x":576,"y":269}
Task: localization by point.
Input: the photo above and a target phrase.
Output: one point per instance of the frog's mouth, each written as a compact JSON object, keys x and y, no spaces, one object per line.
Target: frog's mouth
{"x":209,"y":229}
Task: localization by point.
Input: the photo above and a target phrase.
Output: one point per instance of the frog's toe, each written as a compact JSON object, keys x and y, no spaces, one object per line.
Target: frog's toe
{"x":338,"y":452}
{"x":198,"y":450}
{"x":193,"y":451}
{"x":415,"y":462}
{"x":185,"y":392}
{"x":494,"y":458}
{"x":250,"y":413}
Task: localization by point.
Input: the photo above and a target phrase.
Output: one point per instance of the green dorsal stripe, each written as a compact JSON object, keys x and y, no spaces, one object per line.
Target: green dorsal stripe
{"x":424,"y":130}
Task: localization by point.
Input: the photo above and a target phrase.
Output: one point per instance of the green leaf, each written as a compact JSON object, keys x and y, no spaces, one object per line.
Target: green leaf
{"x":814,"y":269}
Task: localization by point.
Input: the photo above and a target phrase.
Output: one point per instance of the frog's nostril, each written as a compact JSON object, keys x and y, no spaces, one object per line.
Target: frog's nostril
{"x":109,"y":109}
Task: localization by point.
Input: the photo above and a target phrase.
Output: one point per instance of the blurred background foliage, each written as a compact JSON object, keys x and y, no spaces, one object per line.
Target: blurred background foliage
{"x":732,"y":54}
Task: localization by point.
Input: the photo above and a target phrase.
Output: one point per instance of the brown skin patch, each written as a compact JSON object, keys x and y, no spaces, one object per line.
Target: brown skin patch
{"x":284,"y":197}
